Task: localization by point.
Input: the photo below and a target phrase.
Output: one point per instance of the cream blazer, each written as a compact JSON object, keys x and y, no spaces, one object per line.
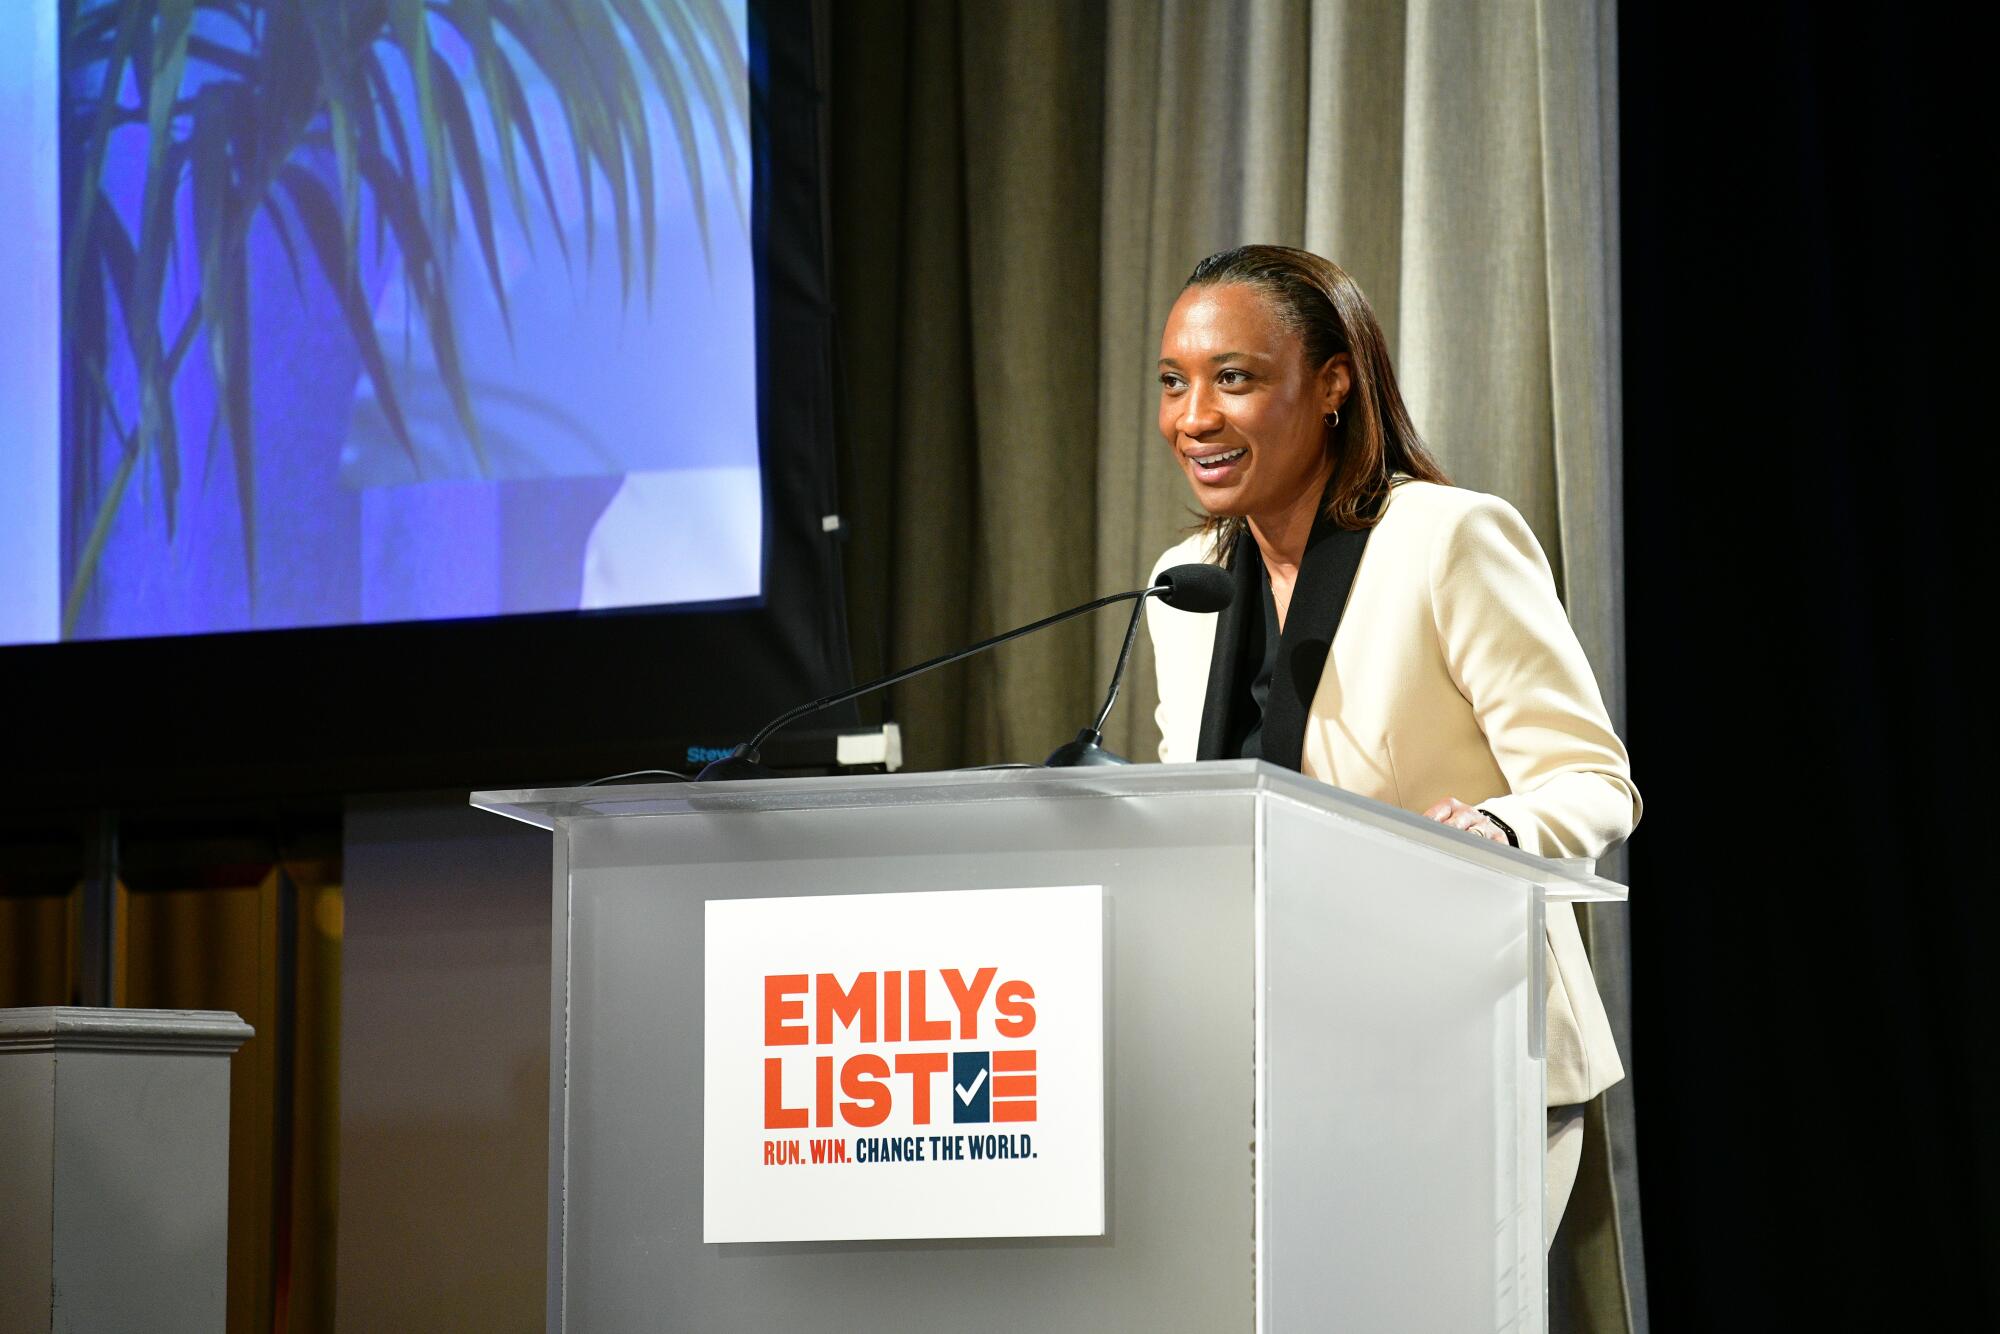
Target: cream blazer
{"x":1454,"y":673}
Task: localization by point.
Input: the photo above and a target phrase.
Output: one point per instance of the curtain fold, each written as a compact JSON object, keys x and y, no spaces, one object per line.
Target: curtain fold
{"x":1059,"y":170}
{"x":969,"y":374}
{"x":1577,"y":82}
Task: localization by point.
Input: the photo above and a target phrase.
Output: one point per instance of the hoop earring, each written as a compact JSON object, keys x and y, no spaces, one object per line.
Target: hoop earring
{"x":1333,"y":419}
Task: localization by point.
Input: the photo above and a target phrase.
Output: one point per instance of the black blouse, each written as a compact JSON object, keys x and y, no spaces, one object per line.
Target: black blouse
{"x":1257,"y":662}
{"x":1261,"y":681}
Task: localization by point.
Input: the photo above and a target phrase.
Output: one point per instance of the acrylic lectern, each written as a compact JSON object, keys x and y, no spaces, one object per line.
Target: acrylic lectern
{"x":1321,"y":1033}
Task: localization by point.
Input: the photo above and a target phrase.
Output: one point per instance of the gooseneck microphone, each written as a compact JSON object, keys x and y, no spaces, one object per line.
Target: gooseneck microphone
{"x":1197,"y":588}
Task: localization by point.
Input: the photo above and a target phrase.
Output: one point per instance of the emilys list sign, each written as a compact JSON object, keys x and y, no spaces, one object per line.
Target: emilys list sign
{"x":904,"y":1065}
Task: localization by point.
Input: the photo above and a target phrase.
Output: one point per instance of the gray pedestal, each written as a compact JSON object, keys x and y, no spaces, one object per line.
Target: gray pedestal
{"x":114,"y":1168}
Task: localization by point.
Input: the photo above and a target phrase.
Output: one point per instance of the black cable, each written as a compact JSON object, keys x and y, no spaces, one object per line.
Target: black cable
{"x":640,"y":773}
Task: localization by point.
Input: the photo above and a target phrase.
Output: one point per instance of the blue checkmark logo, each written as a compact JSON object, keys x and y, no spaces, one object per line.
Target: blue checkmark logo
{"x":971,"y":1086}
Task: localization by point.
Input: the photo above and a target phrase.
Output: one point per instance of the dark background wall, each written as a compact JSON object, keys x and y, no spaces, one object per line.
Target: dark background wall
{"x":1803,"y":278}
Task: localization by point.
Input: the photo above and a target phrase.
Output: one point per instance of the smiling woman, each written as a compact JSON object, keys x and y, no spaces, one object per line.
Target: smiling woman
{"x":1279,"y":344}
{"x":1248,"y":413}
{"x":1391,"y":634}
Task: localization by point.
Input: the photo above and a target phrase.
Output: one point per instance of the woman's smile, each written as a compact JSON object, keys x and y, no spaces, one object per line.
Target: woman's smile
{"x":1215,"y":467}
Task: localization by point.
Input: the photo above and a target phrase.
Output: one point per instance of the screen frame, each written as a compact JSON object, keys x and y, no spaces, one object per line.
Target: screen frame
{"x":512,"y":700}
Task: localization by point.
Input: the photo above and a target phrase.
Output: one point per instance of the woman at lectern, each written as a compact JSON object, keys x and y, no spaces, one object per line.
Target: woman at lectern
{"x":1391,"y":634}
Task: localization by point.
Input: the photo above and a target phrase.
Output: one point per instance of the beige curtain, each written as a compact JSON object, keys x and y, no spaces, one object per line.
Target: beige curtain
{"x":1019,"y":191}
{"x":966,"y":187}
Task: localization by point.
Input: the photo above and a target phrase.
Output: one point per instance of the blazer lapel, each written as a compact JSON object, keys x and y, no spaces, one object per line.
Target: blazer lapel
{"x":1326,"y":573}
{"x":1248,"y":568}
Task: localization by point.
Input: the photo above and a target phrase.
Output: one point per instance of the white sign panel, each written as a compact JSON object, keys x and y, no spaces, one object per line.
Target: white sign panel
{"x":904,"y":1065}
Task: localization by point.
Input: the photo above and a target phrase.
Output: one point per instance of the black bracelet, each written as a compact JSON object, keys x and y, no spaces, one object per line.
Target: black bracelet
{"x":1505,"y":828}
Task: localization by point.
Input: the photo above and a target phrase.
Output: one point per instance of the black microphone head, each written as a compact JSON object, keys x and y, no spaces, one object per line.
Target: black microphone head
{"x":1196,"y":587}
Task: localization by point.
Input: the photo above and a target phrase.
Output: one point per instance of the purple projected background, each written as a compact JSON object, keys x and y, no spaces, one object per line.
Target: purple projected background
{"x":615,"y":462}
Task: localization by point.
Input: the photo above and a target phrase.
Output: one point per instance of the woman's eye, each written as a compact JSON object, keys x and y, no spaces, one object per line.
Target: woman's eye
{"x":1170,"y":381}
{"x":1232,"y":377}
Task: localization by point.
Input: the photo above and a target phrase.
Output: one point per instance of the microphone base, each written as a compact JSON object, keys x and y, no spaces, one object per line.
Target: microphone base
{"x":1083,"y":751}
{"x":739,"y":763}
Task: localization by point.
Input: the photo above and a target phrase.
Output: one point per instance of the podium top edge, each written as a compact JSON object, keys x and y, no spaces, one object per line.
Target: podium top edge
{"x":1566,"y":880}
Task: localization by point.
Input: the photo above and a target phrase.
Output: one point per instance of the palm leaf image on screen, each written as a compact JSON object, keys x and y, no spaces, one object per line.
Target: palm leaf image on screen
{"x":350,"y":128}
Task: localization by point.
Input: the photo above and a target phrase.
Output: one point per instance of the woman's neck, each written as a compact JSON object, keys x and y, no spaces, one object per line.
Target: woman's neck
{"x":1281,"y":534}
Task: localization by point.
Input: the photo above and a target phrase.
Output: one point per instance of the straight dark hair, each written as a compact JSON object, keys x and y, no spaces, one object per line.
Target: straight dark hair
{"x":1375,"y":439}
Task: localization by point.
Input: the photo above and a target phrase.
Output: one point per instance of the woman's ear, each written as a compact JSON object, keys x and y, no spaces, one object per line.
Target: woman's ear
{"x":1336,"y":381}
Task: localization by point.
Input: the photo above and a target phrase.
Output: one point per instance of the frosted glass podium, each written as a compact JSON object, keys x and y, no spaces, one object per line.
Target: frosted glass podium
{"x":1322,"y":1031}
